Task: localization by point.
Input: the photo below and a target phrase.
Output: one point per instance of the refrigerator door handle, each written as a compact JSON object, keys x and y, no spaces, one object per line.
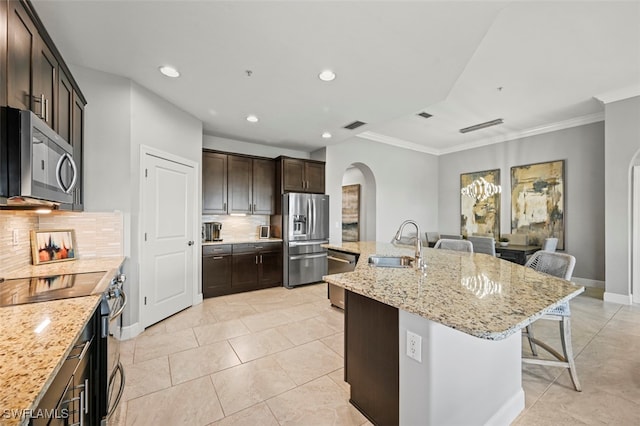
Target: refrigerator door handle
{"x":307,"y":243}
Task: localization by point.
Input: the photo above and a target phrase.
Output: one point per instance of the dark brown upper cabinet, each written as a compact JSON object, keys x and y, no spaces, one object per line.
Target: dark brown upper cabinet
{"x":36,"y":78}
{"x":298,"y":175}
{"x":22,"y":41}
{"x":237,"y":184}
{"x":214,"y":183}
{"x":251,"y":185}
{"x":264,"y":186}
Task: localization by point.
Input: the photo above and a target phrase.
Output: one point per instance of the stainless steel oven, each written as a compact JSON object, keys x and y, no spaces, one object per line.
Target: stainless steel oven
{"x":113,"y":304}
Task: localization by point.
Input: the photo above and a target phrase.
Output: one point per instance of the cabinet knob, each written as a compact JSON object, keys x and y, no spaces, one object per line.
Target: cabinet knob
{"x":190,"y":243}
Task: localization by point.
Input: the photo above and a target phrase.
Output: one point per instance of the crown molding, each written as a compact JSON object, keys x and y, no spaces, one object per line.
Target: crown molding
{"x":619,"y":94}
{"x":538,"y":130}
{"x":546,"y":128}
{"x":389,"y":140}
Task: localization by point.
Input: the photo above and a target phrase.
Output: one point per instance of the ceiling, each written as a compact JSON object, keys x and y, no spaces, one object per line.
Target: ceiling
{"x":533,"y":64}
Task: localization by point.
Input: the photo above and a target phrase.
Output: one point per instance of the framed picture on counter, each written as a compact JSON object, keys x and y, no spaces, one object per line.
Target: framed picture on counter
{"x":53,"y":245}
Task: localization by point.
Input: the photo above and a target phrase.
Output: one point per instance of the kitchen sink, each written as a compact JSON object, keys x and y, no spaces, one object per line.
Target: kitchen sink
{"x":391,"y":261}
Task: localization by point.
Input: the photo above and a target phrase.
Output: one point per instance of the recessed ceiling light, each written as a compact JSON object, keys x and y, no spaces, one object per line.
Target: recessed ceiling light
{"x":169,"y":71}
{"x":327,"y":75}
{"x":326,"y":135}
{"x":252,"y":118}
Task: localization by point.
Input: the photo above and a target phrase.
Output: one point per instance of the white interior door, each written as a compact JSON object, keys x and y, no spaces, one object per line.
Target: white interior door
{"x":167,"y":274}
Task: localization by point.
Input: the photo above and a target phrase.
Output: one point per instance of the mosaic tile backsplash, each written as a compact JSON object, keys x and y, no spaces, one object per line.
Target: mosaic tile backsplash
{"x":97,"y":234}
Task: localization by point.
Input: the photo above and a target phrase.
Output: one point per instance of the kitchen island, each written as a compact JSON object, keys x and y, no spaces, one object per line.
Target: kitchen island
{"x":467,"y":311}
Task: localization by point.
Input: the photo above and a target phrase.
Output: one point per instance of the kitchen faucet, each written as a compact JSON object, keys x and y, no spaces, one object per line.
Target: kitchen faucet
{"x":418,"y":256}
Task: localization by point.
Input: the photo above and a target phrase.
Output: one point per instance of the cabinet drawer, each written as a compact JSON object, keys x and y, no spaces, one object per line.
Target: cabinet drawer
{"x":256,"y":247}
{"x":245,"y":248}
{"x":210,"y":250}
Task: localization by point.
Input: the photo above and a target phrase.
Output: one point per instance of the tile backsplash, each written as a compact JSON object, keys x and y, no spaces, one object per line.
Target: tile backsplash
{"x":238,"y":227}
{"x":97,"y":234}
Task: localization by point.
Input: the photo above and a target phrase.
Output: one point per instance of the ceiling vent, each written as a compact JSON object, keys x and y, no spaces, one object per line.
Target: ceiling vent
{"x":354,"y":125}
{"x":482,"y":125}
{"x":425,"y":114}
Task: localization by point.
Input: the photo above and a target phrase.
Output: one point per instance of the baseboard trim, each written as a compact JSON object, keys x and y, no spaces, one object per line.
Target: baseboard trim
{"x":131,"y":331}
{"x":622,"y":299}
{"x":509,"y":411}
{"x":588,"y":282}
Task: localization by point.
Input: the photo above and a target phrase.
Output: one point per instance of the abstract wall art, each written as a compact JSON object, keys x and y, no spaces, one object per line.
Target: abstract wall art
{"x":537,"y":201}
{"x":351,"y":213}
{"x":480,"y":216}
{"x":53,"y":245}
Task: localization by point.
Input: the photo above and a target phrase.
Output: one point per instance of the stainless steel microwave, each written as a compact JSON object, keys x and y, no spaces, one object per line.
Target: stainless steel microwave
{"x":37,"y":163}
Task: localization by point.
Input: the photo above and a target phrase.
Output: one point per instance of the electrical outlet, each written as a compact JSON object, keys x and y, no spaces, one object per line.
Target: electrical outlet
{"x":414,"y":346}
{"x":15,"y":237}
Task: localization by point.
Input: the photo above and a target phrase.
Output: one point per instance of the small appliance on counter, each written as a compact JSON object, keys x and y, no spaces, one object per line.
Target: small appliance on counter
{"x":211,"y":231}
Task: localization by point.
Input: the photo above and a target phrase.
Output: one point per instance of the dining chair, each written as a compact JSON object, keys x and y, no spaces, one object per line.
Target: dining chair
{"x":457,"y":245}
{"x":451,"y":236}
{"x":485,"y":245}
{"x":550,"y":244}
{"x":559,"y":265}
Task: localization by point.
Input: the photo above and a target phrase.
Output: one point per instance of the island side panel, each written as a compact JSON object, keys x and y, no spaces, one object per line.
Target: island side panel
{"x":371,"y":358}
{"x":462,"y":379}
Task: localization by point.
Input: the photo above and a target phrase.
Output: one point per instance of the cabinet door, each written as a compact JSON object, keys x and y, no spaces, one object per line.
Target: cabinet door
{"x":45,"y":83}
{"x":216,"y":275}
{"x":65,"y":107}
{"x":77,"y":141}
{"x":293,"y":179}
{"x":314,"y":174}
{"x":245,"y":272}
{"x":240,"y":184}
{"x":214,"y":183}
{"x":270,"y":269}
{"x":264,"y":186}
{"x":21,"y":40}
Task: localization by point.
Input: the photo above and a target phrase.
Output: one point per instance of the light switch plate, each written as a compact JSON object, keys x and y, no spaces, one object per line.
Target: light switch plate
{"x":15,"y":237}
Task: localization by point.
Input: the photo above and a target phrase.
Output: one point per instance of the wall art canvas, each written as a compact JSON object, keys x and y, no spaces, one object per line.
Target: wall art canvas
{"x":53,"y":246}
{"x":351,"y":213}
{"x":537,"y":201}
{"x":480,"y":216}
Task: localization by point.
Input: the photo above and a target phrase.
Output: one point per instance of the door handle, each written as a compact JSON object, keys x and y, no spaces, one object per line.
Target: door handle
{"x":190,"y":243}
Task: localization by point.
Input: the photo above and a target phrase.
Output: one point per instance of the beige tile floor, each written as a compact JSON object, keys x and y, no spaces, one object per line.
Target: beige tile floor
{"x":275,"y":357}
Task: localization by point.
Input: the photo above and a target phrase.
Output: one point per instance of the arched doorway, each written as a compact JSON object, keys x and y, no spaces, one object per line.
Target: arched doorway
{"x":635,"y":226}
{"x":361,"y":224}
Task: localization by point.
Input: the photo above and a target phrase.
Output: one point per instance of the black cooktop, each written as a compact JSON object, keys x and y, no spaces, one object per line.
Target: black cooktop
{"x":40,"y":289}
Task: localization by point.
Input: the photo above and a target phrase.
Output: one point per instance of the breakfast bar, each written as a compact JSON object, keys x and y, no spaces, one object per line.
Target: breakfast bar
{"x":443,"y":345}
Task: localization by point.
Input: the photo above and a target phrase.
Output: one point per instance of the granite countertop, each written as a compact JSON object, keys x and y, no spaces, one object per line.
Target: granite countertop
{"x":475,"y":293}
{"x":29,"y":360}
{"x":242,"y":241}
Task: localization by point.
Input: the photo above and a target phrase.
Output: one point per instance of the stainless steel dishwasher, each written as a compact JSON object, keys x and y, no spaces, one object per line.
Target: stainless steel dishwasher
{"x":337,"y":263}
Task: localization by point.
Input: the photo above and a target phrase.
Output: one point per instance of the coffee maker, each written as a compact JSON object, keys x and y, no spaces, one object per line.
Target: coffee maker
{"x":211,"y":231}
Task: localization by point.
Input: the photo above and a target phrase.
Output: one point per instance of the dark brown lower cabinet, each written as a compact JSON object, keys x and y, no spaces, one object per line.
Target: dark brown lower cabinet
{"x":372,"y":358}
{"x":216,"y":270}
{"x":236,"y":268}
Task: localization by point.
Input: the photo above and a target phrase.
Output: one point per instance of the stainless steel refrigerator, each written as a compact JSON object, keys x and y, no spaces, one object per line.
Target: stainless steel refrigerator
{"x":305,"y":226}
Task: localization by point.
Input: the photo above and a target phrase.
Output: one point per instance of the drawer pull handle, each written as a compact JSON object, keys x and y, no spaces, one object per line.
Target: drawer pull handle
{"x":83,"y":353}
{"x":218,"y":257}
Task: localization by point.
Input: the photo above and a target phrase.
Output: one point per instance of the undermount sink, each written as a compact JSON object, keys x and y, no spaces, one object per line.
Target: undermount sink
{"x":391,"y":261}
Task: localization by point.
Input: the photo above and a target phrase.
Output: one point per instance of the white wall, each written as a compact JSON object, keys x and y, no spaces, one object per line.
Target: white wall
{"x":406,"y":185}
{"x":120,"y":116}
{"x":581,"y":147}
{"x":622,"y":147}
{"x":248,"y":148}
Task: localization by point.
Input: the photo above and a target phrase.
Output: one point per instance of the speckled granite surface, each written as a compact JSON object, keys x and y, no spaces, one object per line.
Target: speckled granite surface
{"x":475,"y":293}
{"x":241,"y":241}
{"x":29,"y":360}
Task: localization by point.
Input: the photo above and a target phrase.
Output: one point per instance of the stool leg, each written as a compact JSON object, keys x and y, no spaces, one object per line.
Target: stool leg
{"x":565,"y":336}
{"x":529,"y":329}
